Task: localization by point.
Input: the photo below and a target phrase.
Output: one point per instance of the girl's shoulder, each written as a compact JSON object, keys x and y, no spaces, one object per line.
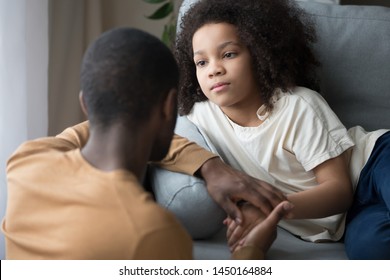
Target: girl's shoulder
{"x":309,"y":104}
{"x":306,"y":95}
{"x":308,"y":98}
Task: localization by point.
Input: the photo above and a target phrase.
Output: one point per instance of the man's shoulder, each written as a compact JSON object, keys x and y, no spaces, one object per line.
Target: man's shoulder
{"x":39,"y":147}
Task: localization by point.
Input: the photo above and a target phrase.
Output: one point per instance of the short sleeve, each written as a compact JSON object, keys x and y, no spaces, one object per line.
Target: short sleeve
{"x":318,"y":133}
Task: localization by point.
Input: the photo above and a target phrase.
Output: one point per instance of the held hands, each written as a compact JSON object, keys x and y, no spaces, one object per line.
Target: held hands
{"x":258,"y":230}
{"x":227,"y":186}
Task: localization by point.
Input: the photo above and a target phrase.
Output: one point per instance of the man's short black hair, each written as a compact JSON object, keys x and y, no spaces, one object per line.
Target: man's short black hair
{"x":124,"y":73}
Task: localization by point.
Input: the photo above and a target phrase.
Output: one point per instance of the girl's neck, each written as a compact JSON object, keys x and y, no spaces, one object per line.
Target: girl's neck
{"x":245,"y":120}
{"x":245,"y":116}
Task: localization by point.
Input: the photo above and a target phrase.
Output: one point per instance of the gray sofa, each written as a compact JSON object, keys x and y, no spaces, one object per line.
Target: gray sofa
{"x":354,"y":49}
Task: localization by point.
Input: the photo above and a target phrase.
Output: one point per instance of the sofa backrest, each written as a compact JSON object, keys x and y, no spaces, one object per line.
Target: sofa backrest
{"x":354,"y":50}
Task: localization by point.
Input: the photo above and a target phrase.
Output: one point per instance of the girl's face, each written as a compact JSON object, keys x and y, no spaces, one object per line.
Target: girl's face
{"x":224,"y":67}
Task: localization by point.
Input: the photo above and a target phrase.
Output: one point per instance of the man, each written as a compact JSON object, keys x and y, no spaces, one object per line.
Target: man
{"x":79,"y":196}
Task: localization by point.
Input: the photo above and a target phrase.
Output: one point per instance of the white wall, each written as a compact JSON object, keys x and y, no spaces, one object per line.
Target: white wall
{"x":23,"y":79}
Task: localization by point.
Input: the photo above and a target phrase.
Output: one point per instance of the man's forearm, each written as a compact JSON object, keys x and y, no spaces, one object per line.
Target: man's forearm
{"x":185,"y":156}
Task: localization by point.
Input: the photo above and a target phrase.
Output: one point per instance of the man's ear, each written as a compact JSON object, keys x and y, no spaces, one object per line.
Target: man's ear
{"x":82,"y":103}
{"x":170,"y":105}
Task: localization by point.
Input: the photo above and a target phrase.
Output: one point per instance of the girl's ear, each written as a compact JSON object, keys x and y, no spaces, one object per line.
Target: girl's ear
{"x":82,"y":103}
{"x":169,"y":109}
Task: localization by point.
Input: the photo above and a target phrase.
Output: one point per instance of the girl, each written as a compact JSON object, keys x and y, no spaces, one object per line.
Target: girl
{"x":247,"y":67}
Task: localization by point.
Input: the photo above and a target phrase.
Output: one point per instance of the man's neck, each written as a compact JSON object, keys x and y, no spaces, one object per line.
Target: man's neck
{"x":117,"y":148}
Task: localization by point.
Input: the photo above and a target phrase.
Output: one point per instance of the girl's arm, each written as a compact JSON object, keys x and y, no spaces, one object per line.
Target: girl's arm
{"x":333,"y":195}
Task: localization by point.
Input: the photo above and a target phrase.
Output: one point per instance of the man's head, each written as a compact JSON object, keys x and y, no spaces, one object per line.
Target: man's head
{"x":126,"y":73}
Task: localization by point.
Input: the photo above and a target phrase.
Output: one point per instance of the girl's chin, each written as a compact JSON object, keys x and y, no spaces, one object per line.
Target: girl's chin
{"x":221,"y":101}
{"x":223,"y":104}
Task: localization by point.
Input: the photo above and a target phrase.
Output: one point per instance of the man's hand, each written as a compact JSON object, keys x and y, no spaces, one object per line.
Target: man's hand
{"x":227,"y":186}
{"x":263,"y":233}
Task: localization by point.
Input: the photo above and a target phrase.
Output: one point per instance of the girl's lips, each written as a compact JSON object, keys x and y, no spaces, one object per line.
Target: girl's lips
{"x":219,"y":86}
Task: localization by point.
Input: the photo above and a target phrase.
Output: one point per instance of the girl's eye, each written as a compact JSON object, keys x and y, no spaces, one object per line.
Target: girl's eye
{"x":200,"y":63}
{"x":230,"y":55}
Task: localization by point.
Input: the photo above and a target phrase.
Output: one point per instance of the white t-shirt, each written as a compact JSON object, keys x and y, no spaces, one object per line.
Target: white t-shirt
{"x":300,"y":133}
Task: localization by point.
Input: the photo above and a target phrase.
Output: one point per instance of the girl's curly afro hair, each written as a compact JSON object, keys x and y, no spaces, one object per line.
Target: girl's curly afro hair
{"x":277,"y":33}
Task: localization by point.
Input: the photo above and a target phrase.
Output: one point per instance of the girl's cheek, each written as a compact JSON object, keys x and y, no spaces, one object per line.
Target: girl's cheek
{"x":200,"y":79}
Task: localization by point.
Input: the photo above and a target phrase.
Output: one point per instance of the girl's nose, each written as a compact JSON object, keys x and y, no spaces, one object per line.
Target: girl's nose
{"x":216,"y":69}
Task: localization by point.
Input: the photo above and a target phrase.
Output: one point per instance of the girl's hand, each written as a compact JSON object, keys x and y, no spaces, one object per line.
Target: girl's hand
{"x":252,"y":217}
{"x":264,"y":232}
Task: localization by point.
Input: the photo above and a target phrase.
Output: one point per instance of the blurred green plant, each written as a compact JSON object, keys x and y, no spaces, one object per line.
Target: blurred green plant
{"x":165,"y":10}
